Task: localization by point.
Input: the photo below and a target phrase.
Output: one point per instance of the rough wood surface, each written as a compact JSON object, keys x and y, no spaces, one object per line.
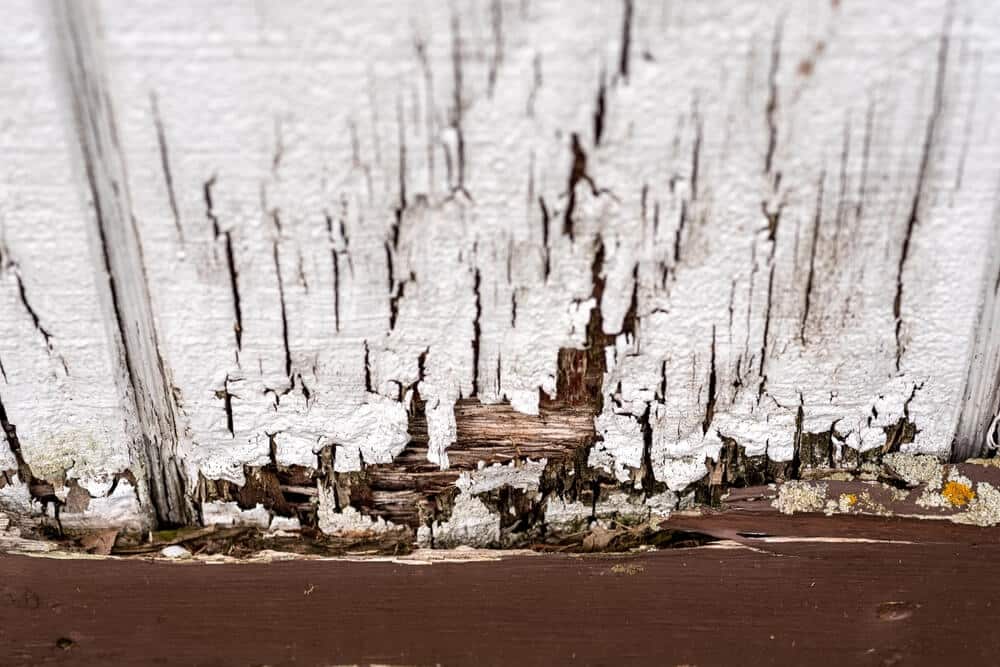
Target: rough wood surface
{"x":362,"y":248}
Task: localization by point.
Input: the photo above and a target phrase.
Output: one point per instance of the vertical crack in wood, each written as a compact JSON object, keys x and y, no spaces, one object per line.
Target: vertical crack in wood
{"x":368,"y":369}
{"x":626,"y":42}
{"x":477,"y":332}
{"x":227,"y":236}
{"x":762,"y":387}
{"x":144,"y":383}
{"x":168,"y":177}
{"x":227,"y":404}
{"x":547,"y":260}
{"x":284,"y":312}
{"x":771,"y":108}
{"x":712,"y":379}
{"x":599,"y":109}
{"x":817,"y":219}
{"x":577,"y":173}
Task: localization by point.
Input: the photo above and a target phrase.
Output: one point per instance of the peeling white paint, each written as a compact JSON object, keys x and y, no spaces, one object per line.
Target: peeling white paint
{"x":338,"y":225}
{"x":523,"y":475}
{"x":566,"y":516}
{"x":472,"y":523}
{"x":121,"y":509}
{"x":219,"y":513}
{"x":284,"y":526}
{"x":348,"y":521}
{"x":16,"y":499}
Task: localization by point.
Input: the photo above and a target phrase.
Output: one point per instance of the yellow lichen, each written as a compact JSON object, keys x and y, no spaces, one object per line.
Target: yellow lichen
{"x":958,"y":494}
{"x":851,"y":498}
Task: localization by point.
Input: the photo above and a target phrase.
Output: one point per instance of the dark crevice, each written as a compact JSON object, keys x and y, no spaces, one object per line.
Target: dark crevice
{"x":227,"y":404}
{"x":696,"y":154}
{"x":161,"y":139}
{"x":35,"y":320}
{"x":284,"y":312}
{"x":626,"y":43}
{"x":773,"y":221}
{"x":771,"y":109}
{"x":767,"y":329}
{"x":206,"y":190}
{"x":679,"y":234}
{"x":40,"y":490}
{"x":499,"y":392}
{"x":904,"y":430}
{"x":545,"y":237}
{"x":476,"y":333}
{"x":401,"y":207}
{"x":800,"y":416}
{"x":577,"y":173}
{"x":599,"y":111}
{"x":335,"y":260}
{"x":394,"y":299}
{"x":368,"y":369}
{"x":918,"y":195}
{"x":390,"y":269}
{"x":631,"y":318}
{"x":279,"y":146}
{"x":234,"y":287}
{"x":712,"y":379}
{"x":230,"y":261}
{"x":513,"y":309}
{"x":643,"y":205}
{"x":817,"y":219}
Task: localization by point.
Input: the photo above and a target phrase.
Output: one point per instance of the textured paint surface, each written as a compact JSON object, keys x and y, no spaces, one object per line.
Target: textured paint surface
{"x":777,"y":216}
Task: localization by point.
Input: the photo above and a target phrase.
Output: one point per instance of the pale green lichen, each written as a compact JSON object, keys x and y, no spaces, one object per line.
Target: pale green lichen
{"x":916,"y":469}
{"x":798,"y":496}
{"x":984,"y":509}
{"x":79,"y":455}
{"x":931,"y":499}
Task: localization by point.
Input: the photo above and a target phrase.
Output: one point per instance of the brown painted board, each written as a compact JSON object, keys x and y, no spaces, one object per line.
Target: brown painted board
{"x":926,"y":597}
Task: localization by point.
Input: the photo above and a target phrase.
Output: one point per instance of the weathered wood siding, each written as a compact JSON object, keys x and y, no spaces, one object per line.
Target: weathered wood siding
{"x":244,"y":235}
